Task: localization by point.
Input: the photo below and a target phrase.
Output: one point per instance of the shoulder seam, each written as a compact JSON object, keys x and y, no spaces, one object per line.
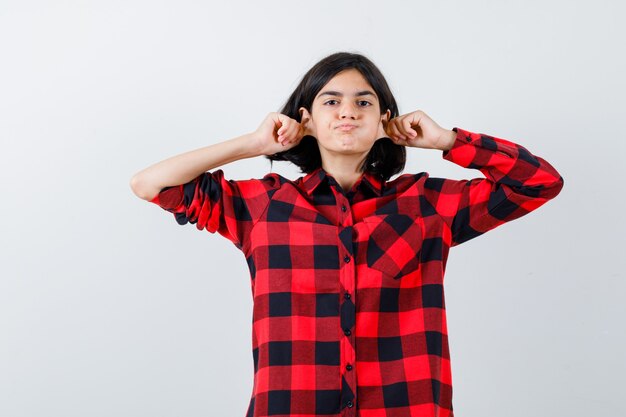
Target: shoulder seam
{"x":270,"y":193}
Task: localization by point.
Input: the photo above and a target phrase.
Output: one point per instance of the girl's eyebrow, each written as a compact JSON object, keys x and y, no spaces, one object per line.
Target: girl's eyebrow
{"x":338,"y":94}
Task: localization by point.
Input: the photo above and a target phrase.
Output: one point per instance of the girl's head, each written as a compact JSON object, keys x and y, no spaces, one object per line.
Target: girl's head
{"x":320,"y":98}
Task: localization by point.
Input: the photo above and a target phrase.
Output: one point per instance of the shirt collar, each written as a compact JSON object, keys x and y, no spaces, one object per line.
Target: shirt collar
{"x":317,"y":176}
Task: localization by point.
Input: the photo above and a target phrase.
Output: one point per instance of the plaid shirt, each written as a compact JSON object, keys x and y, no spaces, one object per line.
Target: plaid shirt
{"x":349,"y":312}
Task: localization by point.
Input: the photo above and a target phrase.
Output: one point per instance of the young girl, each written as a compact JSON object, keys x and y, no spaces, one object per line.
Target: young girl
{"x":346,"y":266}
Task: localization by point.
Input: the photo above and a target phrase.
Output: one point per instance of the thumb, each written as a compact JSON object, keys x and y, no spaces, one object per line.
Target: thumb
{"x":281,"y":119}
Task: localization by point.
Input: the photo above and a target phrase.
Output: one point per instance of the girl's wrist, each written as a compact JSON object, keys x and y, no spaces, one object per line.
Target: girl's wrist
{"x":447,"y":140}
{"x":248,"y":145}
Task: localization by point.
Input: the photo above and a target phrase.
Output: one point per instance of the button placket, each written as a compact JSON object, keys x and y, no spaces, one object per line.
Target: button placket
{"x":348,"y":309}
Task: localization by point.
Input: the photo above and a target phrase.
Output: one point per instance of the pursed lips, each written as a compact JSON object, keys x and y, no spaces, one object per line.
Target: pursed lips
{"x":346,"y":127}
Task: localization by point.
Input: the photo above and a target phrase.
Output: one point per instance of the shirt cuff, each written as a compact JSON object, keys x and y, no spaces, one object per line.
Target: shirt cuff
{"x":463,"y":137}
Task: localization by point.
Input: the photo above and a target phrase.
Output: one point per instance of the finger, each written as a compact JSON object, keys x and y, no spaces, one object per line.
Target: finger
{"x":391,"y":131}
{"x":281,"y":120}
{"x":287,"y":126}
{"x":395,"y":131}
{"x":292,"y":130}
{"x":401,"y":128}
{"x":408,"y":130}
{"x":281,"y":130}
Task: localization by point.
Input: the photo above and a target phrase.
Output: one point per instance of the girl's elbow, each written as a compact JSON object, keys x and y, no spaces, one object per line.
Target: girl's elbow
{"x":140,"y":189}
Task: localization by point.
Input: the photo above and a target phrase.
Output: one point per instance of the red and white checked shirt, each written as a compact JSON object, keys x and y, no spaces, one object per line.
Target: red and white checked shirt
{"x":349,"y":312}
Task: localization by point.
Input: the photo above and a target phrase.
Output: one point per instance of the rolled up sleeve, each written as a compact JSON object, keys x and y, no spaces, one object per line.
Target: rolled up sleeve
{"x":216,"y":204}
{"x":517,"y":182}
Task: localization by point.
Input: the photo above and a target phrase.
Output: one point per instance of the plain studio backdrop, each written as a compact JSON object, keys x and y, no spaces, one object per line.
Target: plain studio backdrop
{"x":108,"y":307}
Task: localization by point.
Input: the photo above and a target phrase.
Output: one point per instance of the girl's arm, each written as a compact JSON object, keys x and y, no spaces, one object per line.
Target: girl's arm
{"x":180,"y":169}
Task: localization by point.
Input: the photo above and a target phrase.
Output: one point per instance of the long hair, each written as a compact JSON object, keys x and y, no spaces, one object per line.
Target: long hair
{"x":385,"y":157}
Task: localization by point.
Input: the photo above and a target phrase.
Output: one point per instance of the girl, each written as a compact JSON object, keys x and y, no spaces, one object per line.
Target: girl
{"x":346,"y":266}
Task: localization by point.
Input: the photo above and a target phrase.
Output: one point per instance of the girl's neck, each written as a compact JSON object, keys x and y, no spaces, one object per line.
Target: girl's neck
{"x":345,"y":173}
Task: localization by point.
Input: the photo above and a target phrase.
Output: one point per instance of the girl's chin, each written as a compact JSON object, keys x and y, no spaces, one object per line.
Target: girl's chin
{"x":347,"y":149}
{"x":346,"y":142}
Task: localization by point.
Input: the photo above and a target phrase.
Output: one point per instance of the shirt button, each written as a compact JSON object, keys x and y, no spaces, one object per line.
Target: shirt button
{"x":349,"y":404}
{"x":347,"y":296}
{"x":343,"y":208}
{"x":349,"y":367}
{"x":346,"y":258}
{"x":347,"y":332}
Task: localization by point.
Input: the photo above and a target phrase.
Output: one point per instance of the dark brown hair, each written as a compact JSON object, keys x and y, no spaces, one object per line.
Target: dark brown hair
{"x":385,"y":158}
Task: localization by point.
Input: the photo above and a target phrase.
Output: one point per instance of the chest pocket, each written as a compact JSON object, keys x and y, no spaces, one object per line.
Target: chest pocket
{"x":394,"y":245}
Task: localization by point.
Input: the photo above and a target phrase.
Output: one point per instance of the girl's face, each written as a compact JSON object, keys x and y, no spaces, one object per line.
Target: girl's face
{"x":345,"y":116}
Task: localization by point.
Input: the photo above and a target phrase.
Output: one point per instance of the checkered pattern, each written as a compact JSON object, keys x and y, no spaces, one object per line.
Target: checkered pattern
{"x":349,"y":311}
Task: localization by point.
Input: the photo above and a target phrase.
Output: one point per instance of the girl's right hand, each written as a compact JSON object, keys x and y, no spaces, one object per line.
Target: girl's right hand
{"x":277,"y":133}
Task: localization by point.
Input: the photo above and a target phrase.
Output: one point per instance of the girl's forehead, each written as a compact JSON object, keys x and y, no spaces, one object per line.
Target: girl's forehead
{"x":348,"y":76}
{"x":347,"y":82}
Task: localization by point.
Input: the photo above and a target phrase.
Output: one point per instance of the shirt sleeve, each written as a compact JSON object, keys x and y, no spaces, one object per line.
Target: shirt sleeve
{"x":217,"y":204}
{"x":517,"y":182}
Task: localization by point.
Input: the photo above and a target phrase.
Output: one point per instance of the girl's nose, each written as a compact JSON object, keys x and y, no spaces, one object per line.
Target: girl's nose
{"x":347,"y":110}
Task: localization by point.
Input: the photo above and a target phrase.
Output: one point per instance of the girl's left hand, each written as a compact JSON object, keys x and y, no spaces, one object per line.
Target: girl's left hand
{"x":417,"y":130}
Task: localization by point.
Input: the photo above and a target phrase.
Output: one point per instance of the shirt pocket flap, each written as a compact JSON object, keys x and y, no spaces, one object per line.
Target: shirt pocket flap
{"x":394,"y":245}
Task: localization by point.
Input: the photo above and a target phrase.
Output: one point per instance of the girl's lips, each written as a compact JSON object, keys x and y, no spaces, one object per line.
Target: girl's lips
{"x":346,"y":128}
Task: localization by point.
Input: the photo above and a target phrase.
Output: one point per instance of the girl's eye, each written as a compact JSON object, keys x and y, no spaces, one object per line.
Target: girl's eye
{"x":362,"y":103}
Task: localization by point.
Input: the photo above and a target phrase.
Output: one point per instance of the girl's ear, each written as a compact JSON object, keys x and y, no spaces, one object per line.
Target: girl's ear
{"x":385,"y":116}
{"x":305,"y":121}
{"x":382,"y":126}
